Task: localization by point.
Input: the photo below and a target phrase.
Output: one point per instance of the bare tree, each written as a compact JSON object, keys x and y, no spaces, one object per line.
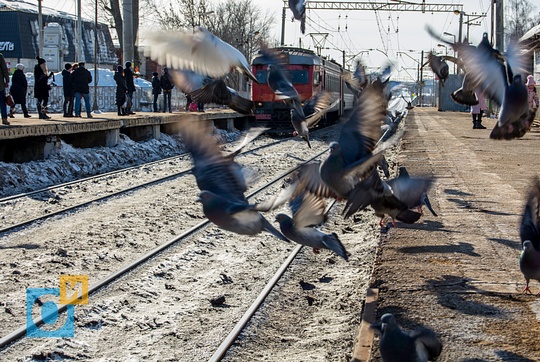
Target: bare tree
{"x":238,"y":22}
{"x":519,"y":18}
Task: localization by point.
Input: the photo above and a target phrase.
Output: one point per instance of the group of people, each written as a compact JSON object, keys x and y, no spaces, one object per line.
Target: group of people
{"x":478,"y":110}
{"x":164,"y":83}
{"x":76,"y":81}
{"x":125,"y":87}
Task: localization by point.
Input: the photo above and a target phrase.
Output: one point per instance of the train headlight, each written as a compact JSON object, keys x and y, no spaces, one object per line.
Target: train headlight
{"x":259,"y":104}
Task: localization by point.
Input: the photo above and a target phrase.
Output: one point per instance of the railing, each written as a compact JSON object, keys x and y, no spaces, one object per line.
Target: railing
{"x":106,"y":95}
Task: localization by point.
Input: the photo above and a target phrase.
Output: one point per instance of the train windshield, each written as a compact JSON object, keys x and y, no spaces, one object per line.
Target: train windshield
{"x":296,"y":76}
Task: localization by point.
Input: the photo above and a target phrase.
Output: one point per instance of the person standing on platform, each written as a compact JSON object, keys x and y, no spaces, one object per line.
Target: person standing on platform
{"x":156,"y":89}
{"x":81,"y":87}
{"x":128,"y":75}
{"x":42,"y":87}
{"x":67,"y":83}
{"x":167,"y":85}
{"x":477,"y":111}
{"x":18,"y":90}
{"x":4,"y":84}
{"x":121,"y":90}
{"x":531,"y":90}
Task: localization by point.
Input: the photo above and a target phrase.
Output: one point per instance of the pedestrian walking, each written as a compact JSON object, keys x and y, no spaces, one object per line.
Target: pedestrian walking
{"x":82,"y":78}
{"x":121,"y":90}
{"x":156,"y":89}
{"x":167,"y":85}
{"x":128,"y":76}
{"x":67,"y":84}
{"x":477,"y":110}
{"x":42,"y":87}
{"x":531,"y":89}
{"x":18,"y":90}
{"x":4,"y":84}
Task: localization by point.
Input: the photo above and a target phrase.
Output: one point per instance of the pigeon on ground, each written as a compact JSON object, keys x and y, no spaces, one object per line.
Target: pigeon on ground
{"x":216,"y":91}
{"x":397,"y":345}
{"x":200,"y":51}
{"x":529,"y":232}
{"x":298,"y":8}
{"x":222,"y":183}
{"x":308,"y":212}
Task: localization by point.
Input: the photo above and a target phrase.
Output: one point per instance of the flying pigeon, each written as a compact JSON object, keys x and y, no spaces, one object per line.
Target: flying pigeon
{"x":298,"y":8}
{"x":397,"y":345}
{"x":500,"y":77}
{"x":222,"y":183}
{"x":529,"y":232}
{"x":216,"y":91}
{"x":314,"y":109}
{"x":439,"y":66}
{"x":200,"y":51}
{"x":308,"y":212}
{"x":423,"y":200}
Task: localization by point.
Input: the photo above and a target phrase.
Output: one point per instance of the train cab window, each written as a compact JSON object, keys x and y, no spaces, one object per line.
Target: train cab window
{"x":316,"y":78}
{"x":262,"y":76}
{"x":299,"y":76}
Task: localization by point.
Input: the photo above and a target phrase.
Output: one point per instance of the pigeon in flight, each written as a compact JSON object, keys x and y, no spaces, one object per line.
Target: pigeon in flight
{"x":314,"y":109}
{"x":423,"y":200}
{"x":216,"y":91}
{"x":200,"y":51}
{"x":397,"y":345}
{"x":439,"y":66}
{"x":222,"y":182}
{"x":308,"y":212}
{"x":529,"y":232}
{"x":298,"y":8}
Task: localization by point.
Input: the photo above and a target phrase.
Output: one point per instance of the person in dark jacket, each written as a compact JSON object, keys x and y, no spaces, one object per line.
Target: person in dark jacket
{"x":19,"y":87}
{"x":4,"y":83}
{"x":128,"y":75}
{"x":167,"y":85}
{"x":42,"y":87}
{"x":81,"y":79}
{"x":121,"y":90}
{"x":156,"y":89}
{"x":67,"y":83}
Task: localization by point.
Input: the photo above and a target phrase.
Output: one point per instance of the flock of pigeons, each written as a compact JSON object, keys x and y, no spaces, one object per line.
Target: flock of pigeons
{"x":350,"y":173}
{"x":497,"y":75}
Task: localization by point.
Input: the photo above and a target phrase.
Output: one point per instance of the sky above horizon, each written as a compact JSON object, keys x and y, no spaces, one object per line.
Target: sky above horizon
{"x":375,"y":37}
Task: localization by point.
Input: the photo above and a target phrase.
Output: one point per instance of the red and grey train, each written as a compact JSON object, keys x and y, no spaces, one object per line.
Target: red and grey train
{"x":309,"y":74}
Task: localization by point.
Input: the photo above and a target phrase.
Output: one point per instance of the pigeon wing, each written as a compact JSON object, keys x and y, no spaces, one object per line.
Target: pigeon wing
{"x":308,"y":210}
{"x":529,"y":228}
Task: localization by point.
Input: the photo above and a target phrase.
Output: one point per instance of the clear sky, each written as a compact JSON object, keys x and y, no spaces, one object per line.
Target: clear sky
{"x":356,"y":32}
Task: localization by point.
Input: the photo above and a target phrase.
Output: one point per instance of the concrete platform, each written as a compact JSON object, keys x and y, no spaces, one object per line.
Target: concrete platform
{"x":27,"y":139}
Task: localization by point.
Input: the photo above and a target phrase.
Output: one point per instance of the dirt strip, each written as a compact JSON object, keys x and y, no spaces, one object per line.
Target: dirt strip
{"x":458,"y":273}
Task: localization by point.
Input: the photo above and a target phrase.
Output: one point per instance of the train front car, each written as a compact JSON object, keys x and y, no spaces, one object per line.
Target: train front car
{"x":309,"y":74}
{"x":303,"y":69}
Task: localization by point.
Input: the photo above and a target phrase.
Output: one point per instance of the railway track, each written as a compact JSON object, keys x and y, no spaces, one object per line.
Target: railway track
{"x":105,"y":283}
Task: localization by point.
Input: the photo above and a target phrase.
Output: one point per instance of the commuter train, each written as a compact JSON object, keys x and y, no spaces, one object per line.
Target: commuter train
{"x":309,"y":74}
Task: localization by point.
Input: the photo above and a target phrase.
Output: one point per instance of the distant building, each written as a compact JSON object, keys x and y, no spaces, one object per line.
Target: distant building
{"x":19,"y":37}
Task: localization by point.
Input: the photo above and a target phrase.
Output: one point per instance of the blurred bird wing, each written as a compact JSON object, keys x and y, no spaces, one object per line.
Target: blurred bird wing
{"x":240,"y":104}
{"x":248,"y":137}
{"x":188,"y":80}
{"x":360,"y":134}
{"x":409,"y":190}
{"x":308,"y":210}
{"x":298,"y":8}
{"x":216,"y":91}
{"x":310,"y":179}
{"x":213,"y":172}
{"x":317,"y":107}
{"x":425,"y":338}
{"x":484,"y":70}
{"x":200,"y":51}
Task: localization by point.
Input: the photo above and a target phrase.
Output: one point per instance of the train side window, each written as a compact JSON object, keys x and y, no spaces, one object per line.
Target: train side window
{"x":316,"y":78}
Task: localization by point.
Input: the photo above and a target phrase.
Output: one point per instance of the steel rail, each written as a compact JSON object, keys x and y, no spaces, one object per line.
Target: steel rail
{"x":235,"y":332}
{"x":21,"y":331}
{"x":119,"y":192}
{"x":89,"y":178}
